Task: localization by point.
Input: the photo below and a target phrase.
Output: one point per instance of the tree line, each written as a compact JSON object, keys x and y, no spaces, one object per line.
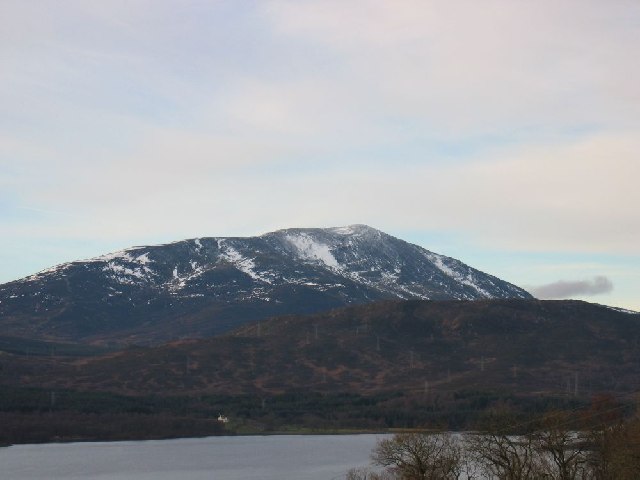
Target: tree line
{"x":595,"y":444}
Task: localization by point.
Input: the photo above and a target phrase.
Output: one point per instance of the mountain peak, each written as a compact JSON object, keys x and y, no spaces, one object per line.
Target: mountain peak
{"x":357,"y":228}
{"x":354,"y":229}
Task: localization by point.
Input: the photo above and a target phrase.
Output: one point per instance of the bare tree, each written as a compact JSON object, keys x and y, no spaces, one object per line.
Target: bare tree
{"x":561,"y":449}
{"x":614,"y":451}
{"x":595,"y":445}
{"x":613,"y":443}
{"x":367,"y":474}
{"x":504,"y":457}
{"x":420,"y":456}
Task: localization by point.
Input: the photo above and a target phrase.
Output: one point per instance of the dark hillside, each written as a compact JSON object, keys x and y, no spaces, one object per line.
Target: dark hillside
{"x":390,"y":364}
{"x":525,"y":346}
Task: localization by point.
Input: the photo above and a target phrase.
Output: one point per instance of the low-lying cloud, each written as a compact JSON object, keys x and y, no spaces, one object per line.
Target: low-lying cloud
{"x":568,"y":289}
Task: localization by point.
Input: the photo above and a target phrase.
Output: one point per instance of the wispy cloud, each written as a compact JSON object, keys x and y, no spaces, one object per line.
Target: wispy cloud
{"x":500,"y":121}
{"x":568,"y":289}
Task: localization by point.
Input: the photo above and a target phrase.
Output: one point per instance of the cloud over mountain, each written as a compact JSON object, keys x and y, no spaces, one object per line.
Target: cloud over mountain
{"x":567,"y":289}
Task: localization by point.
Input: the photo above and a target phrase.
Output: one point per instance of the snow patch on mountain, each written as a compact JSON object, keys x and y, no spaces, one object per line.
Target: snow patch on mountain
{"x":119,"y":255}
{"x":244,"y":264}
{"x":143,"y":259}
{"x":357,"y":230}
{"x":621,"y":310}
{"x":311,"y":250}
{"x":127,"y":275}
{"x":179,"y":281}
{"x":390,"y":278}
{"x":47,"y":271}
{"x":468,"y":279}
{"x":349,"y":230}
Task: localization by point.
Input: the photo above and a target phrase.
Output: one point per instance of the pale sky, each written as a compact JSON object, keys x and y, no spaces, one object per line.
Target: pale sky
{"x":502,"y":133}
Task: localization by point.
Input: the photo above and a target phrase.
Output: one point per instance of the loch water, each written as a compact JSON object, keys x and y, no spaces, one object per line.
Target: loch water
{"x":275,"y":457}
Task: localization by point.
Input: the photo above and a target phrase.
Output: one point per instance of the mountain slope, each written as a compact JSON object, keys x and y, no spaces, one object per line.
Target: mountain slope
{"x":200,"y":287}
{"x":528,"y":347}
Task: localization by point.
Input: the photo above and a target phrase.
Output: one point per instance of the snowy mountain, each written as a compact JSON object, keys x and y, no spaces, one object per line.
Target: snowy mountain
{"x":204,"y":286}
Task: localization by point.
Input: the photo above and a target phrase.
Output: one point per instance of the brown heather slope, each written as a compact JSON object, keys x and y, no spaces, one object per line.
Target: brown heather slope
{"x":527,"y":347}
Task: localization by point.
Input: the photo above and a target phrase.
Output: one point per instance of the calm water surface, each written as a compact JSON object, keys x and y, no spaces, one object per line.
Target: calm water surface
{"x":278,"y":457}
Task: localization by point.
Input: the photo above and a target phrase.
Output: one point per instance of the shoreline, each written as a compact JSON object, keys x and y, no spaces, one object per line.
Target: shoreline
{"x":230,"y":435}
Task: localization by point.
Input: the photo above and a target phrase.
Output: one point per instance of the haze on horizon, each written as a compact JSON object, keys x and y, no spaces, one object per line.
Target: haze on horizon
{"x":505,"y":134}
